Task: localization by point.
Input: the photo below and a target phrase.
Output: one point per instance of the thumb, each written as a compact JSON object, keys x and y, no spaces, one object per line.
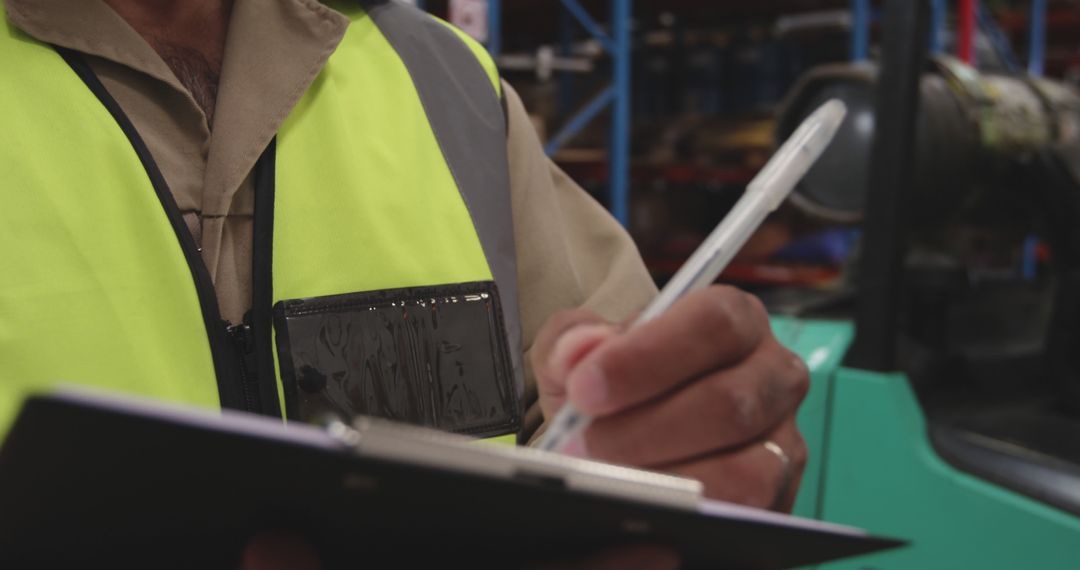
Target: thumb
{"x":563,"y":342}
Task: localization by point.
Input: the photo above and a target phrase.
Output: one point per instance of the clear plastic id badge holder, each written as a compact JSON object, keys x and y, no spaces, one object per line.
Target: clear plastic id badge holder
{"x":430,"y":356}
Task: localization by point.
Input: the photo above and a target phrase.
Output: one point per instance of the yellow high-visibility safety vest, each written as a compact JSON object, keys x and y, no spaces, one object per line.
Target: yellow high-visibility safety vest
{"x":390,"y":172}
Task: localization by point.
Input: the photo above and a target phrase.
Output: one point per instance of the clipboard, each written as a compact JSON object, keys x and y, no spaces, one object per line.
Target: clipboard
{"x":89,"y":477}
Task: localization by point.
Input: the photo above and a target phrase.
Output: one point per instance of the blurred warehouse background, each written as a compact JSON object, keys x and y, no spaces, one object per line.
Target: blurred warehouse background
{"x":665,"y":110}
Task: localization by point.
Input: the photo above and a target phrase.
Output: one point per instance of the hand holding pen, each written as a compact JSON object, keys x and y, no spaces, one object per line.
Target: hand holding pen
{"x":697,"y":385}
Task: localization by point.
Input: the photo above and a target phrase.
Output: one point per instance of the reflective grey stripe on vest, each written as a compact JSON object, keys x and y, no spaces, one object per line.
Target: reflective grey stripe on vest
{"x":467,"y":117}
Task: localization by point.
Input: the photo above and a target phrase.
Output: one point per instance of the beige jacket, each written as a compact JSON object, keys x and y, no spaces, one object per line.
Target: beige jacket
{"x":571,"y":253}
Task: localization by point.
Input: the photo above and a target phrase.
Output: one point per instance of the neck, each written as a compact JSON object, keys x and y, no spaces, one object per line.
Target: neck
{"x":189,"y":35}
{"x":163,"y":14}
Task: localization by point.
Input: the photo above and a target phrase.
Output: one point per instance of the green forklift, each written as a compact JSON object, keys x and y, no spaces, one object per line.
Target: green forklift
{"x":945,"y":391}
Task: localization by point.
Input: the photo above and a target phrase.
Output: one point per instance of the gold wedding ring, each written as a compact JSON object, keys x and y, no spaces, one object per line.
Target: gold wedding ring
{"x":785,"y":474}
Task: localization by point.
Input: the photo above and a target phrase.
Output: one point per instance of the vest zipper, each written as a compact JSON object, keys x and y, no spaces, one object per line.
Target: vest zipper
{"x":243,"y":341}
{"x":229,"y":365}
{"x":262,"y":286}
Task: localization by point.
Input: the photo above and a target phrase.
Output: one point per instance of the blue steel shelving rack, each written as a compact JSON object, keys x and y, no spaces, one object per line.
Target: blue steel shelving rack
{"x":861,"y":15}
{"x":1037,"y":48}
{"x":616,"y":96}
{"x":616,"y":42}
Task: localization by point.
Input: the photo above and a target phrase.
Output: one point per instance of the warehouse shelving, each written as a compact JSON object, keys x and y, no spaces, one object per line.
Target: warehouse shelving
{"x":615,"y":40}
{"x":518,"y":26}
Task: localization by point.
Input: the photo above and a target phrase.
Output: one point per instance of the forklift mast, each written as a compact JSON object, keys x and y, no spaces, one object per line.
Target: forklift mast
{"x":903,"y":54}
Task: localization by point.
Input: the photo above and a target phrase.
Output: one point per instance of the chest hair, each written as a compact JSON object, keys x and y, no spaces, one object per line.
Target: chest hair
{"x":194,"y":71}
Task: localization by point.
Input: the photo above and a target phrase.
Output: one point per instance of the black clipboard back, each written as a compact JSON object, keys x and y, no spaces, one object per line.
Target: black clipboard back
{"x":85,"y":478}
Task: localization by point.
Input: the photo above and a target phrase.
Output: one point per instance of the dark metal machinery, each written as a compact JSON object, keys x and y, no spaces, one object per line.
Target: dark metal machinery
{"x":916,"y":151}
{"x":940,"y":136}
{"x":904,"y":50}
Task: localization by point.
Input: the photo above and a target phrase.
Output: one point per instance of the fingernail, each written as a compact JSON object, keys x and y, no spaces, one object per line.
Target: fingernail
{"x":588,"y":389}
{"x":575,"y":447}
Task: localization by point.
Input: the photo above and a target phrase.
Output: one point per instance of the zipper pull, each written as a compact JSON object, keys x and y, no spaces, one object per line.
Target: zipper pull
{"x":242,"y":336}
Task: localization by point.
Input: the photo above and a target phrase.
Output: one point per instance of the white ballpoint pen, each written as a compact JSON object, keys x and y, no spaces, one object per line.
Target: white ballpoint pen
{"x":763,"y":195}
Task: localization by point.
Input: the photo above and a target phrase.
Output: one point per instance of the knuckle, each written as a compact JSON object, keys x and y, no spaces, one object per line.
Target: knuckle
{"x":781,"y":381}
{"x":791,"y":372}
{"x":800,"y":375}
{"x":727,"y":311}
{"x":749,"y":308}
{"x":754,"y":307}
{"x":716,"y":313}
{"x":746,"y":313}
{"x":742,"y":409}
